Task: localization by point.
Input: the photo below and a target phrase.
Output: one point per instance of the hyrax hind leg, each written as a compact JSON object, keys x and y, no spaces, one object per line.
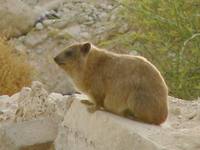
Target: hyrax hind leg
{"x":144,"y":109}
{"x":139,"y":109}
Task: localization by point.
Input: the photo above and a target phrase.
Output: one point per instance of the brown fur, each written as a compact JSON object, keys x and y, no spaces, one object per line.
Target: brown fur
{"x":122,"y":84}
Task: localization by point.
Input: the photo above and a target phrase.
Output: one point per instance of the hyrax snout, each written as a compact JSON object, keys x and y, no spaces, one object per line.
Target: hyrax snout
{"x":126,"y":85}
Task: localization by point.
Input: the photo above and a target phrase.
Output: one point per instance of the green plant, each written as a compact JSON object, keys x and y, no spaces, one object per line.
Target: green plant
{"x":167,"y":32}
{"x":15,"y":72}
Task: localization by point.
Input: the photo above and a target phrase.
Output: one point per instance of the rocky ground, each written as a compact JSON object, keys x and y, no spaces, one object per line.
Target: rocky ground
{"x":60,"y":24}
{"x":64,"y":121}
{"x":45,"y":117}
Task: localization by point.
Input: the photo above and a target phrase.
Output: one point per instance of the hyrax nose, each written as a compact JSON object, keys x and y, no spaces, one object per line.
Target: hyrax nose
{"x":56,"y":59}
{"x":59,"y":60}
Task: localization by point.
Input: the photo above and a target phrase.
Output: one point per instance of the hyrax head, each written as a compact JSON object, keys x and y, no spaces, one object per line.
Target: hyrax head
{"x":72,"y":58}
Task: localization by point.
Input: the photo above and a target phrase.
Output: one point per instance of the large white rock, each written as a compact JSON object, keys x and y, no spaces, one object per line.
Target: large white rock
{"x":101,"y":131}
{"x":17,"y":135}
{"x":35,"y":102}
{"x":81,"y":130}
{"x":37,"y":116}
{"x":42,"y":118}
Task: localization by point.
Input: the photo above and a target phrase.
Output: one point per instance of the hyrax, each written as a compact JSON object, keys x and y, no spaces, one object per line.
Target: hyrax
{"x":126,"y":85}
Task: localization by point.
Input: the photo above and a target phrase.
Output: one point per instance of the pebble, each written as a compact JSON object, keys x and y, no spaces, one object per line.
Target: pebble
{"x":1,"y":112}
{"x":180,"y":117}
{"x":39,"y":26}
{"x":177,"y":111}
{"x":48,"y":22}
{"x":85,"y":35}
{"x":110,"y":7}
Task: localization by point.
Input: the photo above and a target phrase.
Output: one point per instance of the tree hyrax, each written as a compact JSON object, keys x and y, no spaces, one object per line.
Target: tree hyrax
{"x":123,"y":84}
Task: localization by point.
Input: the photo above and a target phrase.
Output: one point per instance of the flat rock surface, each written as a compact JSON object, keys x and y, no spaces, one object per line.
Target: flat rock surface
{"x":105,"y":131}
{"x":24,"y":120}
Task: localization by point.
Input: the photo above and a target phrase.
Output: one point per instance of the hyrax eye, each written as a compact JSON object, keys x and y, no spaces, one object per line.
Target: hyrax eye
{"x":69,"y":53}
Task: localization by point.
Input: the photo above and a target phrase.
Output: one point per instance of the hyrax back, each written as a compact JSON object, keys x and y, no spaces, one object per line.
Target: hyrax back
{"x":123,"y":84}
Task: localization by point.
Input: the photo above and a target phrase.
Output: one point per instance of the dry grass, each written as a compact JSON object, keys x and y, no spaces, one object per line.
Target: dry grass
{"x":15,"y":72}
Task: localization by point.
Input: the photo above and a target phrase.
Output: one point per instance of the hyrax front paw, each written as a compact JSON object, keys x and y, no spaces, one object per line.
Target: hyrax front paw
{"x":86,"y":102}
{"x":92,"y":109}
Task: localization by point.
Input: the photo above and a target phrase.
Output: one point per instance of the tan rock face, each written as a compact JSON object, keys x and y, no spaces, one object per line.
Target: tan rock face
{"x":33,"y":120}
{"x":5,"y":142}
{"x":32,"y":103}
{"x":100,"y":131}
{"x":35,"y":102}
{"x":16,"y":17}
{"x":81,"y":130}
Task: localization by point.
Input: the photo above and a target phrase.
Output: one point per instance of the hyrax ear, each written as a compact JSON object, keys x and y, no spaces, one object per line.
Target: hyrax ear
{"x":85,"y":48}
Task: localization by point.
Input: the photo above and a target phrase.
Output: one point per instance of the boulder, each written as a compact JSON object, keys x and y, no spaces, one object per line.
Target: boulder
{"x":34,"y":119}
{"x":101,"y":130}
{"x":16,"y":18}
{"x":36,"y":102}
{"x":23,"y":134}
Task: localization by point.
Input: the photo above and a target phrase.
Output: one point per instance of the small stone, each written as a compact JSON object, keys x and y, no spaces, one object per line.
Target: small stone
{"x":39,"y":50}
{"x":192,"y":116}
{"x":134,"y":52}
{"x":110,"y":7}
{"x":177,"y":111}
{"x":48,"y":22}
{"x":85,"y":35}
{"x":123,"y":28}
{"x":21,"y":38}
{"x":34,"y":39}
{"x":198,"y":115}
{"x":39,"y":26}
{"x":113,"y":17}
{"x":180,"y":117}
{"x":103,"y":15}
{"x":73,"y":30}
{"x":1,"y":112}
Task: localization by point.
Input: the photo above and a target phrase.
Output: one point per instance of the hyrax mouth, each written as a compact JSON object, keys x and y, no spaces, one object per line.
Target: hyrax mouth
{"x":58,"y":61}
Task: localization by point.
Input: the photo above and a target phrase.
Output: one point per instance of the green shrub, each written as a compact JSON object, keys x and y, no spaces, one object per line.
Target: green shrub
{"x":15,"y":72}
{"x":167,"y":32}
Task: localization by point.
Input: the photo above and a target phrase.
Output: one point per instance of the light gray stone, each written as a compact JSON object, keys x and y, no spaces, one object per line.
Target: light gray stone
{"x":28,"y":133}
{"x":101,"y":130}
{"x":3,"y":97}
{"x":48,"y":22}
{"x":81,"y":130}
{"x":32,"y":40}
{"x":39,"y":26}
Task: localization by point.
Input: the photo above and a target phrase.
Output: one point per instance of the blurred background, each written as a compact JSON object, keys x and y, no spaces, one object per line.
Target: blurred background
{"x":32,"y":32}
